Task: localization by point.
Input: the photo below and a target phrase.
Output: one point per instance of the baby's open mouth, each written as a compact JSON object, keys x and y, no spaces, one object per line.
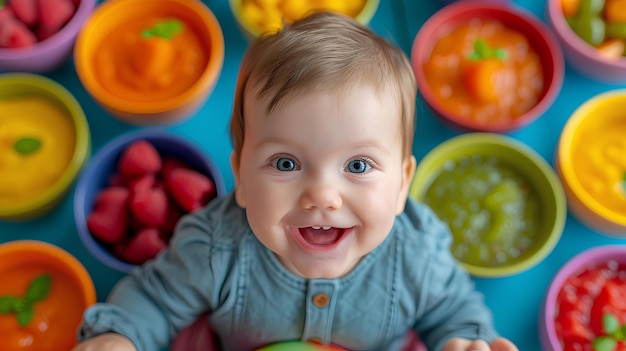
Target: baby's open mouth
{"x":322,"y":235}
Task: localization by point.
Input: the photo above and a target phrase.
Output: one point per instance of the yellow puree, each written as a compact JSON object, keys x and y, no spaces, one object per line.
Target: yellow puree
{"x":600,"y":164}
{"x":24,"y":177}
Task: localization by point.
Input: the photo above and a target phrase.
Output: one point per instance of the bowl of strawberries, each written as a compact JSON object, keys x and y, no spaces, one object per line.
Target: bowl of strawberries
{"x":134,"y":190}
{"x":38,"y":35}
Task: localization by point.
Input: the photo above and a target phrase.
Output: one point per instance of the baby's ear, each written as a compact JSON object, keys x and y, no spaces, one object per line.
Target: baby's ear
{"x":408,"y":170}
{"x":239,"y":192}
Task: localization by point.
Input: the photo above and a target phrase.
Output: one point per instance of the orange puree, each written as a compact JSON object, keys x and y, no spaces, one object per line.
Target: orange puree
{"x":484,"y":90}
{"x":149,"y":68}
{"x":27,"y":176}
{"x":56,"y":318}
{"x":600,"y":165}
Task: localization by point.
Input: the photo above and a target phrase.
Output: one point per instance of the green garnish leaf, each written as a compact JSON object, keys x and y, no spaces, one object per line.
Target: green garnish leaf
{"x":604,"y":343}
{"x":39,"y":288}
{"x":26,"y":145}
{"x":24,"y":308}
{"x":8,"y":304}
{"x":165,"y":29}
{"x":25,"y":315}
{"x":610,"y":324}
{"x":483,"y":51}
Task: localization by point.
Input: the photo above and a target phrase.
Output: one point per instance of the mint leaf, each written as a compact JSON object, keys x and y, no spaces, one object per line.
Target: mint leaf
{"x":26,"y":145}
{"x":25,"y":315}
{"x":8,"y":304}
{"x":39,"y":288}
{"x":165,"y":29}
{"x":604,"y":343}
{"x":610,"y":323}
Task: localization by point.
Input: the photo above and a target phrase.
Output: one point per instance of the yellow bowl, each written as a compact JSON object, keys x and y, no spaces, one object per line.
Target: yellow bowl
{"x":33,"y":107}
{"x":142,"y":75}
{"x":251,"y":28}
{"x":523,"y":166}
{"x":591,"y":161}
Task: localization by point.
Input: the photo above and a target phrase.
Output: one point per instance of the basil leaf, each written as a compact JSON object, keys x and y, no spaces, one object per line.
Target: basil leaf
{"x":610,"y":323}
{"x":8,"y":304}
{"x":39,"y":288}
{"x":25,"y":315}
{"x":26,"y":145}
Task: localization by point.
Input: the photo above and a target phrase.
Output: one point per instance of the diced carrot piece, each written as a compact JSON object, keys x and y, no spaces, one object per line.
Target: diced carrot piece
{"x":612,"y":49}
{"x":615,"y":10}
{"x":570,"y":7}
{"x":481,"y":79}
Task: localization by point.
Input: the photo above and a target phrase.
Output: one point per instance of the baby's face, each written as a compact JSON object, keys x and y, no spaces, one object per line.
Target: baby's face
{"x":322,"y":177}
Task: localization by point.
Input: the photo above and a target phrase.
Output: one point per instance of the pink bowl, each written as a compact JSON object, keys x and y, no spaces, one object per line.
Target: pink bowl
{"x":537,"y":33}
{"x":581,"y":56}
{"x":587,"y":258}
{"x":49,"y":54}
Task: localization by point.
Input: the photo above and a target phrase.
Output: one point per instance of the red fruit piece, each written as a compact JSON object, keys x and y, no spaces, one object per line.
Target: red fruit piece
{"x":5,"y":14}
{"x":108,"y":222}
{"x":173,"y":215}
{"x":25,"y":11}
{"x":150,"y":207}
{"x":142,"y":183}
{"x":54,"y":14}
{"x":15,"y":34}
{"x":139,"y":158}
{"x":143,"y":246}
{"x":170,"y":164}
{"x":189,"y":189}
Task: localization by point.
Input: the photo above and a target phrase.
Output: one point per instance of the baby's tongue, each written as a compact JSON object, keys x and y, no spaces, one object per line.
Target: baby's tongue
{"x":320,"y":236}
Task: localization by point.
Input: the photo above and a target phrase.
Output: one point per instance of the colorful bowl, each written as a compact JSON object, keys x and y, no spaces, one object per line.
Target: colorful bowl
{"x":579,"y":276}
{"x":257,"y":17}
{"x":502,"y":201}
{"x":497,"y":93}
{"x":49,"y":54}
{"x":59,"y":290}
{"x":150,"y":62}
{"x":591,"y":163}
{"x":98,"y":172}
{"x":44,"y":143}
{"x":580,"y":55}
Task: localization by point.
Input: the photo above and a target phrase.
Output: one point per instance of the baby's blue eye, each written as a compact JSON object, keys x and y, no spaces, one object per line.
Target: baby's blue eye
{"x":358,"y":166}
{"x":286,"y":164}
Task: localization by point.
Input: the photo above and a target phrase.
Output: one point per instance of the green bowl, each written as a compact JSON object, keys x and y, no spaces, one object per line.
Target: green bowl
{"x":522,"y":163}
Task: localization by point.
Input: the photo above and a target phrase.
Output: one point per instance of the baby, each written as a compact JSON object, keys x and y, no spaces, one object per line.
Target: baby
{"x":319,"y":240}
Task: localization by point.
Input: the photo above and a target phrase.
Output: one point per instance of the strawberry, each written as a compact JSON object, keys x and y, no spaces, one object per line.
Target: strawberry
{"x":14,"y":34}
{"x":150,"y":207}
{"x":53,"y":14}
{"x":173,"y":215}
{"x":25,"y":11}
{"x":139,"y":158}
{"x":108,"y":222}
{"x":143,"y":246}
{"x":5,"y":13}
{"x":189,"y":189}
{"x":142,"y":183}
{"x":170,"y":164}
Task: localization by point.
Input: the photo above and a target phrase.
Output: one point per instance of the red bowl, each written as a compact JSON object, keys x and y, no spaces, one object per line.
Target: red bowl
{"x":536,"y":32}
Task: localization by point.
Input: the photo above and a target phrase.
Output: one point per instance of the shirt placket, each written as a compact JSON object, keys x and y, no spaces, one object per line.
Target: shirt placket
{"x":320,"y":310}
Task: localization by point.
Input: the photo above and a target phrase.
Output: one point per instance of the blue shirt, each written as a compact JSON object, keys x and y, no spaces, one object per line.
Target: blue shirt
{"x":215,"y":264}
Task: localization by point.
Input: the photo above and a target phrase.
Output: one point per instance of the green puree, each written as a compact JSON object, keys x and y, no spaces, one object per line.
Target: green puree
{"x":488,"y":207}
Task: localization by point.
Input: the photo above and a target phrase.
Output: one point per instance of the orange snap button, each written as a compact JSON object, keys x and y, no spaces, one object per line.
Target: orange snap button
{"x":321,"y":300}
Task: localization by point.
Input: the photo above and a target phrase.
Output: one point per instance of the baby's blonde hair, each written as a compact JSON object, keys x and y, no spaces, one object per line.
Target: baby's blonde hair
{"x":323,"y":52}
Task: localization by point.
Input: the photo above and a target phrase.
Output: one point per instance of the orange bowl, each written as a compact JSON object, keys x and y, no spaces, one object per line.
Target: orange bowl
{"x":53,"y":284}
{"x":150,"y":62}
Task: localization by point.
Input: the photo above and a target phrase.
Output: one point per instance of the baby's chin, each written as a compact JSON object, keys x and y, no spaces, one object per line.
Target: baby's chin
{"x":324,"y":268}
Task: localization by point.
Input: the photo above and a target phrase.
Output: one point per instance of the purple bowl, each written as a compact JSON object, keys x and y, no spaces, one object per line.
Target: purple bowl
{"x":581,"y":56}
{"x":96,"y":175}
{"x":587,"y":258}
{"x":51,"y":53}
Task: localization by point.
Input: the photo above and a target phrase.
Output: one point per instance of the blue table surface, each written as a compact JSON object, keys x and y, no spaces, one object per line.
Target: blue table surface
{"x":515,"y":300}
